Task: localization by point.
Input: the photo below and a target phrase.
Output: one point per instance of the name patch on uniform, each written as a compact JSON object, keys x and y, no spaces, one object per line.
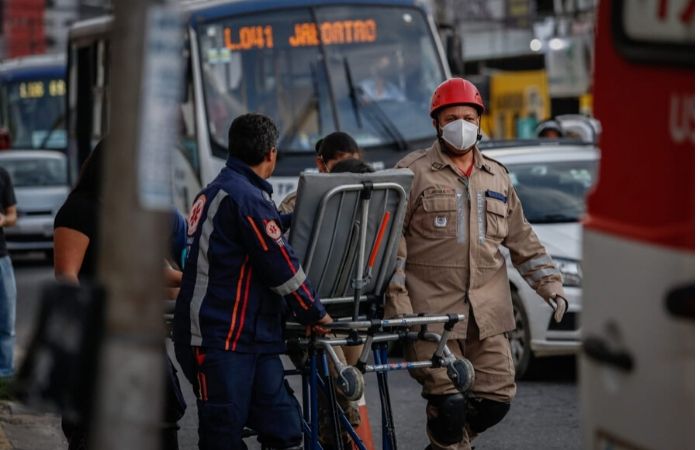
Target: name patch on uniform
{"x":273,"y":230}
{"x":497,"y":196}
{"x":440,"y":221}
{"x":195,"y":214}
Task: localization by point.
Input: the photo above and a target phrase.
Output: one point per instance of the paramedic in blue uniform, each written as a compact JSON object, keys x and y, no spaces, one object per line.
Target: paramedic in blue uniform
{"x":241,"y":282}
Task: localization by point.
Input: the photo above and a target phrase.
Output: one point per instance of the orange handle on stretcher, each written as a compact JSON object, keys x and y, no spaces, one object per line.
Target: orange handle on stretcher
{"x":378,"y":241}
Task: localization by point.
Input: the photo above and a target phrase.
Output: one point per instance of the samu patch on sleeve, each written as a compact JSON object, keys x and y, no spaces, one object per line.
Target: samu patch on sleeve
{"x":195,"y":214}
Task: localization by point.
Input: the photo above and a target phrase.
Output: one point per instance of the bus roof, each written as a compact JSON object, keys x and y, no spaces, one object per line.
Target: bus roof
{"x":205,"y":10}
{"x":29,"y":67}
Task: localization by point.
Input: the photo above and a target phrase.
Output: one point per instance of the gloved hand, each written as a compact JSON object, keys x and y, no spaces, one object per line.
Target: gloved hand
{"x":559,"y":305}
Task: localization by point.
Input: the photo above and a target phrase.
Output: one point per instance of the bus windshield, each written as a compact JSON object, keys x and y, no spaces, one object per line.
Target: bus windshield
{"x":366,"y":70}
{"x":34,"y":112}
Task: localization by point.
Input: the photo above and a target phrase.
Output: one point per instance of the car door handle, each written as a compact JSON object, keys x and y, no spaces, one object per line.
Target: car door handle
{"x":599,"y":350}
{"x":680,"y":302}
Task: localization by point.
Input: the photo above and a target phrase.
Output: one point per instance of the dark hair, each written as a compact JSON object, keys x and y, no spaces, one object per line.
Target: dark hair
{"x":90,"y":179}
{"x":352,"y":165}
{"x":318,"y":146}
{"x":251,"y":136}
{"x":335,"y":144}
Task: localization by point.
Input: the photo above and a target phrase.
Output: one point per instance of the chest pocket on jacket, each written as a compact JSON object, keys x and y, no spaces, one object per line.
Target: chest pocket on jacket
{"x":437,"y":215}
{"x":496,"y":218}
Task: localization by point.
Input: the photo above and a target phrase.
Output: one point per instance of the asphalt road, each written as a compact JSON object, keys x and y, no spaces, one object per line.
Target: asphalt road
{"x":544,"y":414}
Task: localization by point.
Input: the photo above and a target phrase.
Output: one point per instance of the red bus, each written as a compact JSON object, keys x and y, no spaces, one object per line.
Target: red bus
{"x":637,"y":367}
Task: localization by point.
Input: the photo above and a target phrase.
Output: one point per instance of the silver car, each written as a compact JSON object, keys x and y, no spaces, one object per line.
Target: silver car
{"x":552,"y":179}
{"x":40,"y":180}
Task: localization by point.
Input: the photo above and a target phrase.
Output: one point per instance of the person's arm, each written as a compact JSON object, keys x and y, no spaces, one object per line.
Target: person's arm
{"x":530,"y":257}
{"x":397,"y":302}
{"x":9,"y":218}
{"x":173,"y":278}
{"x":69,"y":251}
{"x":275,"y":262}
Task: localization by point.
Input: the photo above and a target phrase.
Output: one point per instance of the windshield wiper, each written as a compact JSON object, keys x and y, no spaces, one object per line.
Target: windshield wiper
{"x":377,"y":112}
{"x":54,"y":126}
{"x":353,"y":92}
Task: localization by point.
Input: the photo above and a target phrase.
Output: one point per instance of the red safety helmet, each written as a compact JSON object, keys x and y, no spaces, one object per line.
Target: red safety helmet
{"x":456,"y":91}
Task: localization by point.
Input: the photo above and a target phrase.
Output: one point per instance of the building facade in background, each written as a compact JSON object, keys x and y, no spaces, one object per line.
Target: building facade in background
{"x":34,"y":27}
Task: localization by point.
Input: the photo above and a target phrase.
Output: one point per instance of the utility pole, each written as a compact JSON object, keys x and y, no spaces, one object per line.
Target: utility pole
{"x":129,"y":395}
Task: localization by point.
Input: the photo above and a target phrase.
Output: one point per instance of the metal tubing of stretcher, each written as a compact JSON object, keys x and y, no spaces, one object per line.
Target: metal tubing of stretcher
{"x":324,"y":203}
{"x":389,"y":434}
{"x":344,"y":421}
{"x":365,"y":324}
{"x":359,"y":275}
{"x":313,"y":396}
{"x":341,"y":300}
{"x":329,"y":391}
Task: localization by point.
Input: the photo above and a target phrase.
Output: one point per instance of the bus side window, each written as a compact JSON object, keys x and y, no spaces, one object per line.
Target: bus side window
{"x":188,"y":134}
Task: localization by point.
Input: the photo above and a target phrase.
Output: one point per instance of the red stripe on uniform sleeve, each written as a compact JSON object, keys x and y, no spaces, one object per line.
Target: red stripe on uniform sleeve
{"x":234,"y":314}
{"x":243,"y":311}
{"x":257,"y":233}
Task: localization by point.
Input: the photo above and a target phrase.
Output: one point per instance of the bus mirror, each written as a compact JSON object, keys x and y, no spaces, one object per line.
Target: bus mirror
{"x":5,"y":139}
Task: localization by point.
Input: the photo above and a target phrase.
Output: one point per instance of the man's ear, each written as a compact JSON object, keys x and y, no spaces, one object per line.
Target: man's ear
{"x":271,"y":154}
{"x":320,"y":165}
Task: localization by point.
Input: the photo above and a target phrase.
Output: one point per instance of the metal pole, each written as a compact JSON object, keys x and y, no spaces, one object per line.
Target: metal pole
{"x":129,"y":401}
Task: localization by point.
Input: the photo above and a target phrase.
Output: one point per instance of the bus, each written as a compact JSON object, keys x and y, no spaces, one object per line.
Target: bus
{"x":637,"y":366}
{"x":32,"y":103}
{"x":361,"y":66}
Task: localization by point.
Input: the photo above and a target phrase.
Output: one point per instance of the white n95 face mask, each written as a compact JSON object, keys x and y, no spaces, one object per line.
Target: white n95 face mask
{"x":460,"y":134}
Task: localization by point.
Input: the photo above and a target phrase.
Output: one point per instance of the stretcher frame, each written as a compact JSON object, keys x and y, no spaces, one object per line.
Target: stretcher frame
{"x":370,"y":331}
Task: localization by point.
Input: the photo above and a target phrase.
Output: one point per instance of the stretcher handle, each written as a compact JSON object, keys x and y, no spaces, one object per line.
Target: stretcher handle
{"x":378,"y":240}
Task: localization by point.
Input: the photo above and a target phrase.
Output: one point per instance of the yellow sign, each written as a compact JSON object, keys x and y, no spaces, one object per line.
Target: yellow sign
{"x":37,"y":89}
{"x":517,"y":100}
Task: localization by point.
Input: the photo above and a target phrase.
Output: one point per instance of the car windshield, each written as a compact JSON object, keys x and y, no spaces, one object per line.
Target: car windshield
{"x":34,"y":112}
{"x":367,"y":70}
{"x":553,"y":192}
{"x":43,"y":172}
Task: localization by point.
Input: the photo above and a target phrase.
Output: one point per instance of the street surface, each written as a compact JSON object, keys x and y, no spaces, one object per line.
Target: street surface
{"x":544,"y":414}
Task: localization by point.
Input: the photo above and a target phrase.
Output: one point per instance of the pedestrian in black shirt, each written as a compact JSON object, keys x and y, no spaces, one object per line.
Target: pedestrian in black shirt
{"x":76,"y":238}
{"x":8,"y":289}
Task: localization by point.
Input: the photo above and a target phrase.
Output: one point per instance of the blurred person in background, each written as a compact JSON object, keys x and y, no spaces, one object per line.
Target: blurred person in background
{"x":76,"y":243}
{"x":331,"y":149}
{"x":549,"y":129}
{"x":8,"y":288}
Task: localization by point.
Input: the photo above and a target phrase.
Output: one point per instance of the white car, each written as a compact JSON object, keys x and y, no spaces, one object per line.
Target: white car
{"x":40,"y":179}
{"x":552,"y":179}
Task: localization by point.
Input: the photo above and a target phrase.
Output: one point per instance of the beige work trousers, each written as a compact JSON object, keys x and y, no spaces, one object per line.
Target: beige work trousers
{"x":493,"y":368}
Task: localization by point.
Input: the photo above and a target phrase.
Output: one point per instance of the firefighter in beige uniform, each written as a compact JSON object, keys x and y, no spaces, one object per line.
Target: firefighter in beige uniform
{"x":461,"y":208}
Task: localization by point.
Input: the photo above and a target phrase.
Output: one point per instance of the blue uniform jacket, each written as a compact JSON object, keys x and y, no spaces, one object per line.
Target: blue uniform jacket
{"x":241,"y":278}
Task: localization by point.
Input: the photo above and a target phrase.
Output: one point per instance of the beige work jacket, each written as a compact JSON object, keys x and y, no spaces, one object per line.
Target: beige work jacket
{"x":449,"y":255}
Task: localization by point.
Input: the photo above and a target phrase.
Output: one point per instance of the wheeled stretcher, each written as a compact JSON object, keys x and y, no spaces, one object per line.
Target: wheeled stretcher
{"x":346,"y":231}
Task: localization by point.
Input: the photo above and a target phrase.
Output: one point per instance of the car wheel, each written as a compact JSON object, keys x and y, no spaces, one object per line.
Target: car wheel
{"x":520,"y":338}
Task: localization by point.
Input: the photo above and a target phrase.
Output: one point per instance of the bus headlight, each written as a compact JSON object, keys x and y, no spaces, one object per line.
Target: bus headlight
{"x":570,"y":269}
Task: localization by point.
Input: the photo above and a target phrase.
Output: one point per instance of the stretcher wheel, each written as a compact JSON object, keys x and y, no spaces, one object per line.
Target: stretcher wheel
{"x":461,"y":372}
{"x":350,"y":383}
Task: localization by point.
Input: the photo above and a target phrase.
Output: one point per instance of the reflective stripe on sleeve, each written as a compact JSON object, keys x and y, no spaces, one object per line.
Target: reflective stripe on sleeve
{"x":400,"y":264}
{"x":534,"y":263}
{"x":535,"y":277}
{"x":202,"y":280}
{"x":398,"y":280}
{"x":290,"y":285}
